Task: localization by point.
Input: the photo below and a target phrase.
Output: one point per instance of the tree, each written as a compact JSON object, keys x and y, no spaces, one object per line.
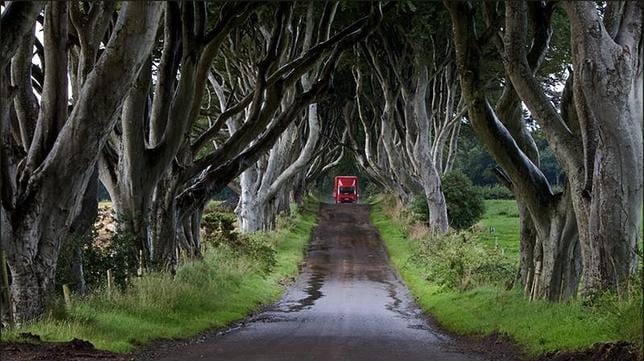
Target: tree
{"x":262,"y":181}
{"x":149,"y":136}
{"x":208,"y":170}
{"x":421,"y":116}
{"x":43,"y":184}
{"x":564,"y":241}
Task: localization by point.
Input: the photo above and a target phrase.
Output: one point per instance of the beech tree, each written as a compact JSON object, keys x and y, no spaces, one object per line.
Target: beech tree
{"x":420,"y":116}
{"x":45,"y":174}
{"x":260,"y":184}
{"x":569,"y":242}
{"x":149,"y":136}
{"x":248,"y":120}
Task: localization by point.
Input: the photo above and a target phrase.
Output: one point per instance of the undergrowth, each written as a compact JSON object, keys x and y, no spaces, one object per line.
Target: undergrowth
{"x":488,"y":305}
{"x":225,"y":286}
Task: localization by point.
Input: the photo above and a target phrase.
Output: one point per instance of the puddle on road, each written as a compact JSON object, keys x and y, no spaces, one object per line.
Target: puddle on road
{"x":313,"y":291}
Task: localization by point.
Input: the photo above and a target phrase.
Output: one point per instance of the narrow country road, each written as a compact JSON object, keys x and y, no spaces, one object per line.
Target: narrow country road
{"x":347,"y":304}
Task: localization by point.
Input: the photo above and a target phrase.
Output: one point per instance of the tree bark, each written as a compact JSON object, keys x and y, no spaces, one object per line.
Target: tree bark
{"x":608,"y":99}
{"x":163,"y":225}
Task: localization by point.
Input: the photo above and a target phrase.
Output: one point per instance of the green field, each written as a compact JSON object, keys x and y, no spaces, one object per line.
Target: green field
{"x":222,"y":288}
{"x":538,"y":326}
{"x":503,"y":216}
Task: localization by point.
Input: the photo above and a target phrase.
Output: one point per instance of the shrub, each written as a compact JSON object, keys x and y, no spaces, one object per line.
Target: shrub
{"x":419,"y":209}
{"x":495,"y":192}
{"x":219,"y":231}
{"x":120,"y":255}
{"x":465,"y":205}
{"x":459,"y":261}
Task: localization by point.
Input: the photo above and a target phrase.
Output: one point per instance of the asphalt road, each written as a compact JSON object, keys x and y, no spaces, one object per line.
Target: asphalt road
{"x":347,"y":304}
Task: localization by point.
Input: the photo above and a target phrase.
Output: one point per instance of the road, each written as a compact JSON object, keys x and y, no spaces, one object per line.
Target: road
{"x":347,"y":304}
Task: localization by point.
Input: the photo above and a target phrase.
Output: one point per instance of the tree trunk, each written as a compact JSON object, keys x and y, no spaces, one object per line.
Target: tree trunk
{"x":191,"y":228}
{"x":436,"y":203}
{"x":555,"y":271}
{"x":163,"y":225}
{"x":608,"y":99}
{"x":429,"y":175}
{"x":557,"y":257}
{"x":527,"y":243}
{"x":81,"y":232}
{"x":31,"y":288}
{"x":250,"y":214}
{"x":36,"y":228}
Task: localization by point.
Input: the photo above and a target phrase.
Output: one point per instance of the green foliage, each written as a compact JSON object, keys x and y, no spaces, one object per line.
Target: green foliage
{"x":371,"y":190}
{"x":419,"y":209}
{"x":538,"y":326}
{"x":464,"y":204}
{"x":459,"y":261}
{"x":218,"y":224}
{"x":211,"y":293}
{"x":495,"y":192}
{"x":119,"y":254}
{"x":473,"y":160}
{"x":219,"y":231}
{"x":548,"y":162}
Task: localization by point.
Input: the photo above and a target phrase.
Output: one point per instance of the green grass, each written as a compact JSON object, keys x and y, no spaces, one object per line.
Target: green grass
{"x":503,"y":215}
{"x":537,"y":326}
{"x":222,"y":288}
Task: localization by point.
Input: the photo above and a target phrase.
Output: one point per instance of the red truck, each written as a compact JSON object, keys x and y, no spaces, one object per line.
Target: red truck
{"x":346,"y":189}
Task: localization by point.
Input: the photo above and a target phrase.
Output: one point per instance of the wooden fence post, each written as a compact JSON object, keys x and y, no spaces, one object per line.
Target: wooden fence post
{"x":535,"y":282}
{"x":109,"y":282}
{"x":67,"y":297}
{"x":139,"y":270}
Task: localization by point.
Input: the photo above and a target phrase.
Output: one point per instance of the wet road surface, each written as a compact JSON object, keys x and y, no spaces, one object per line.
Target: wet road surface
{"x":347,"y":304}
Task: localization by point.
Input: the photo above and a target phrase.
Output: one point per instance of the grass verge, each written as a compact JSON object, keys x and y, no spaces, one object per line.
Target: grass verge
{"x":222,"y":288}
{"x":539,"y":326}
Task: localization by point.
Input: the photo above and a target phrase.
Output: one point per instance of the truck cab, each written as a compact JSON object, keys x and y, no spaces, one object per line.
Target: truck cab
{"x":345,"y":189}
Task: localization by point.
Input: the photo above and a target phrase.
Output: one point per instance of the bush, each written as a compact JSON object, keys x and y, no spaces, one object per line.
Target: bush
{"x":494,"y":192}
{"x":465,"y":205}
{"x":219,"y":231}
{"x":419,"y":209}
{"x":120,"y":255}
{"x":459,"y":261}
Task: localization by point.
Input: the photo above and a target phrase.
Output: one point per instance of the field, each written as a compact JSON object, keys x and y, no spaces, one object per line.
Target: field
{"x":501,"y":222}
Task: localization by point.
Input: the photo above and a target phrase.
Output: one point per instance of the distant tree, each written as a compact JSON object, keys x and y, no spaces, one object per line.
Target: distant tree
{"x":548,"y":161}
{"x":474,"y":160}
